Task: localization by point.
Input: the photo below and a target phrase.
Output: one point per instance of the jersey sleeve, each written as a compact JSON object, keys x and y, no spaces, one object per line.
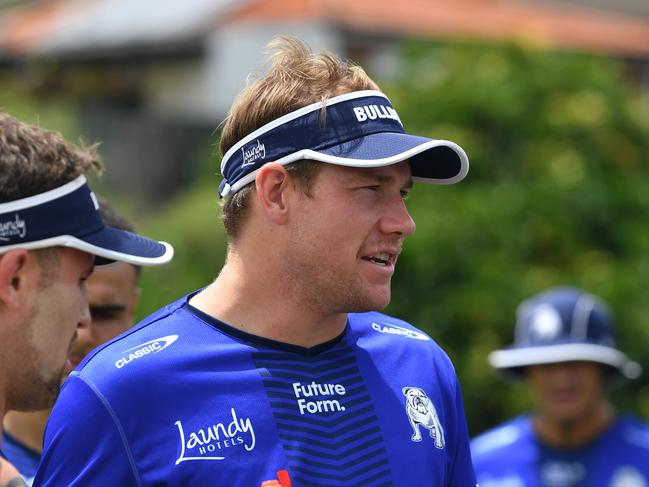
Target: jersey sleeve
{"x":84,"y":444}
{"x":461,"y":471}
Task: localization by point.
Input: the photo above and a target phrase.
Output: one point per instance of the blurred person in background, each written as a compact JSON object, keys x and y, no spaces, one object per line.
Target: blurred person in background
{"x":565,"y":348}
{"x":113,"y":294}
{"x":281,"y":372}
{"x":51,"y":237}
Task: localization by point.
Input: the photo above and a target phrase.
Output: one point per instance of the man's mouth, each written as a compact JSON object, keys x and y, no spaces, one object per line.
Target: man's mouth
{"x":73,"y":357}
{"x":382,"y":258}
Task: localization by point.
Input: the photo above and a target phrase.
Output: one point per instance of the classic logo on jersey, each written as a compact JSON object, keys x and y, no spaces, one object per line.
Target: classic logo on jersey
{"x":628,"y":477}
{"x":397,"y":330}
{"x":422,"y":412}
{"x":252,"y":153}
{"x":13,"y":228}
{"x":144,"y":349}
{"x":211,"y":442}
{"x":316,"y":398}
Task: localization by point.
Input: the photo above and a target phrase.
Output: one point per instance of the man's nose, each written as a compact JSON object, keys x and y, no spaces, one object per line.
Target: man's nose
{"x":398,"y":219}
{"x":84,"y":319}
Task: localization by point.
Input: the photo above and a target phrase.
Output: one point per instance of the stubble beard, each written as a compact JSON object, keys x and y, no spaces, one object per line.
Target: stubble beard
{"x":44,"y":392}
{"x":36,"y":389}
{"x":326,"y":291}
{"x":39,"y":391}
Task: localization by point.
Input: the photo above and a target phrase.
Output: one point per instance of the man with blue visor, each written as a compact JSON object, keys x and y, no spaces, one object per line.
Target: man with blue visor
{"x":281,"y":372}
{"x":565,"y":347}
{"x":51,"y":236}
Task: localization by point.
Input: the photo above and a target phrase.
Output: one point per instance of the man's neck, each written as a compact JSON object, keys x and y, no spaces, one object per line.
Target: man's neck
{"x":27,"y":428}
{"x":266,"y":307}
{"x":576,"y":433}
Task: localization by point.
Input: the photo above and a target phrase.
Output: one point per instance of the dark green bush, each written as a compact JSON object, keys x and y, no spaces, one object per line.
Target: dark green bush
{"x":557,"y":194}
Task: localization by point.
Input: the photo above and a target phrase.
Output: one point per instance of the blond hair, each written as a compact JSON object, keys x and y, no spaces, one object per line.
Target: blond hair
{"x":296,"y":77}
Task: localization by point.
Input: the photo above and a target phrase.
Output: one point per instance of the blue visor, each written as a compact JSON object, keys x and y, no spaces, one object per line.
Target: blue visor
{"x":69,"y":216}
{"x":359,"y":129}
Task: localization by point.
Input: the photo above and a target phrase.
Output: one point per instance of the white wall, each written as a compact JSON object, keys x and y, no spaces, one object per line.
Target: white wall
{"x":202,"y":90}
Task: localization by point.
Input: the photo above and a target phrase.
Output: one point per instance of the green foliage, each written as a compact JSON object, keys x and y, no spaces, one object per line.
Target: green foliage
{"x":51,"y":113}
{"x":191,"y":224}
{"x":557,"y":194}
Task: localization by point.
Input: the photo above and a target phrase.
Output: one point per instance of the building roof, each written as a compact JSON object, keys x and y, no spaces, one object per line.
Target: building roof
{"x":68,"y":27}
{"x":560,"y":25}
{"x":63,"y":27}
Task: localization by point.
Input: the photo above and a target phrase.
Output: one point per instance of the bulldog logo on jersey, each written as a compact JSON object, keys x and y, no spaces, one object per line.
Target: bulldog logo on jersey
{"x":422,"y":412}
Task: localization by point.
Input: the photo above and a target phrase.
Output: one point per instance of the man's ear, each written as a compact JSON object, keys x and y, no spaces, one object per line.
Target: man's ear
{"x":13,"y":270}
{"x":273,"y":184}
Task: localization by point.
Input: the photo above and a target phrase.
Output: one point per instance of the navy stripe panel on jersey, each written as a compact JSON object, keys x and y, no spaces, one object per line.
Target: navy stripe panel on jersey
{"x":183,"y":399}
{"x":344,"y":445}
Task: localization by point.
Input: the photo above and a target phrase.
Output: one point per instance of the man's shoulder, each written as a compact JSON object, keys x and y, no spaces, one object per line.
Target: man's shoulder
{"x":633,"y":432}
{"x":382,"y":334}
{"x":501,"y":440}
{"x":383,"y":326}
{"x":156,"y":343}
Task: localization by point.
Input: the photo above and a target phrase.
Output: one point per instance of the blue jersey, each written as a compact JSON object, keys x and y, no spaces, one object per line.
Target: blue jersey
{"x":183,"y":399}
{"x":512,"y":456}
{"x":20,"y":456}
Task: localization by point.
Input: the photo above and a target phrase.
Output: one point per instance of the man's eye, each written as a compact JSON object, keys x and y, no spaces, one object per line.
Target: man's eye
{"x":103,"y":314}
{"x":405,"y":195}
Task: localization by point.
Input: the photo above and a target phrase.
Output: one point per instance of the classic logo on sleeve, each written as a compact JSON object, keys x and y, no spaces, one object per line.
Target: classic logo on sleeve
{"x":144,"y":349}
{"x":398,"y":330}
{"x":422,"y":412}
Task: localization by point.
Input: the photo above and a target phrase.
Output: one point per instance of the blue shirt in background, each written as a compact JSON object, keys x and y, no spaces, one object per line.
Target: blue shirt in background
{"x":511,"y":455}
{"x":21,"y":456}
